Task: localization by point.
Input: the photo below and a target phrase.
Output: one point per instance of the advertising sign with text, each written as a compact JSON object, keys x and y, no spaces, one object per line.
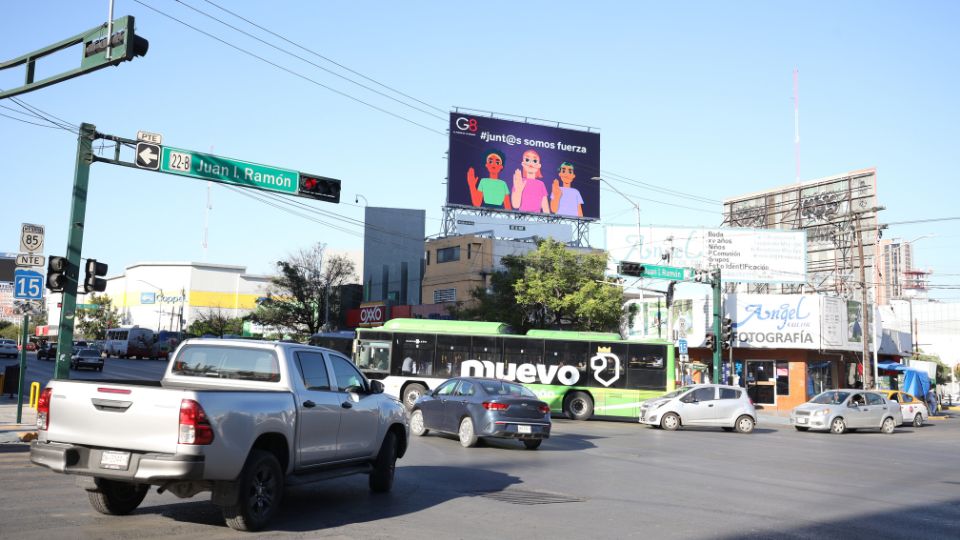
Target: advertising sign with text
{"x":521,"y":167}
{"x":742,"y":255}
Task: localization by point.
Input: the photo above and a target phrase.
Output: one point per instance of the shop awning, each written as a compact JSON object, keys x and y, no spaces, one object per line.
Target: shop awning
{"x":915,"y":381}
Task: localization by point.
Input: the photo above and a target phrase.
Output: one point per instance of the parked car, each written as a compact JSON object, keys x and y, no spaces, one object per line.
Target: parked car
{"x":239,"y":418}
{"x":86,"y":358}
{"x":719,"y":405}
{"x":47,"y":351}
{"x":845,"y":410}
{"x":8,"y":347}
{"x":913,"y":409}
{"x":473,"y":407}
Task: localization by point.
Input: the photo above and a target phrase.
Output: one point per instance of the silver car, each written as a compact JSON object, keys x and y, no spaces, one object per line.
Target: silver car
{"x":718,"y":405}
{"x":845,"y":410}
{"x":8,"y":347}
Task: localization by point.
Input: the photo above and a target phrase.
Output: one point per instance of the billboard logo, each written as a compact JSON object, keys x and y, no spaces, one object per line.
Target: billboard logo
{"x":467,"y":124}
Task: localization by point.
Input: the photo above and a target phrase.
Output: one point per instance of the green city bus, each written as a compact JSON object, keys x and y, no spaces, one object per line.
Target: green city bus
{"x":580,"y":374}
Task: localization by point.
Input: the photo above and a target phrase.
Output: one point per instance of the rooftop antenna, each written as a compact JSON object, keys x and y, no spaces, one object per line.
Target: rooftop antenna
{"x":796,"y":120}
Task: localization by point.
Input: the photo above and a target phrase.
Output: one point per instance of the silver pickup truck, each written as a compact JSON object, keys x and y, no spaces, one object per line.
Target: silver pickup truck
{"x":239,"y":418}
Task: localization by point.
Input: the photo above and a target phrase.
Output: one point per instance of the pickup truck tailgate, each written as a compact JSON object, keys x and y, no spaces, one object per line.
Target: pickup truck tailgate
{"x":132,"y":417}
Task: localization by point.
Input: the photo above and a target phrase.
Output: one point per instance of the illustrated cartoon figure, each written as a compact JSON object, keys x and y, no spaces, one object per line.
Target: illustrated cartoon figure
{"x":529,"y":194}
{"x":566,"y":201}
{"x":490,"y":192}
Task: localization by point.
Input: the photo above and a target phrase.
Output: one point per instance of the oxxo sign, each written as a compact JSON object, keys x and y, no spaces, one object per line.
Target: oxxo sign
{"x":374,"y":315}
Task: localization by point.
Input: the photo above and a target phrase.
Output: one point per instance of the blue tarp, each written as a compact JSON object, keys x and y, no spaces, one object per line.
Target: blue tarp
{"x":916,"y":382}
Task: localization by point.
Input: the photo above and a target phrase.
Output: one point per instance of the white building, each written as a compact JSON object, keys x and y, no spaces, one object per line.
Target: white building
{"x":172,"y":295}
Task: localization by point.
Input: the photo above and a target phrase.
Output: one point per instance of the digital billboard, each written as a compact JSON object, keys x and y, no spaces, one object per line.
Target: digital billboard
{"x":521,"y":167}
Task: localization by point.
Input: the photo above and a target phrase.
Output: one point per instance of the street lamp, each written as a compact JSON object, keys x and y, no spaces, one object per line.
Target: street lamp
{"x":160,"y":303}
{"x":632,"y":203}
{"x":357,"y":197}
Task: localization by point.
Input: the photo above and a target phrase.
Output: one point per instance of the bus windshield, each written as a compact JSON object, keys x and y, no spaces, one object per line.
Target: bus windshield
{"x":373,"y":356}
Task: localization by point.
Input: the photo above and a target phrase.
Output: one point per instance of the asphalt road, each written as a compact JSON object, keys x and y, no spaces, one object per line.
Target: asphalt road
{"x":590,"y":480}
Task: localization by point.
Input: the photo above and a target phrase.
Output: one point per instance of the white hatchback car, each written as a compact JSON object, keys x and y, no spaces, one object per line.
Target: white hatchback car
{"x":717,"y":405}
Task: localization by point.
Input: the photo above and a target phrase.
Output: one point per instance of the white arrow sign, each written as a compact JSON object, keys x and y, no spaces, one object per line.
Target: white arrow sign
{"x":148,"y":156}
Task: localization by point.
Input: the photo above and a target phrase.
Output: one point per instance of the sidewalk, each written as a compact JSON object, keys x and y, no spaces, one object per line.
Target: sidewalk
{"x":10,"y":430}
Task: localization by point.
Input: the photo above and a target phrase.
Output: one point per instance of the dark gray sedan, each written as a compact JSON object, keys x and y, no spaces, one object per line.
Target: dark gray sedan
{"x":473,"y":407}
{"x":87,"y":358}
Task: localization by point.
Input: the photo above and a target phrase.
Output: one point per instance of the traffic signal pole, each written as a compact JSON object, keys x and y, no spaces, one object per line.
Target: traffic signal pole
{"x":23,"y":365}
{"x":78,"y":213}
{"x":717,"y":316}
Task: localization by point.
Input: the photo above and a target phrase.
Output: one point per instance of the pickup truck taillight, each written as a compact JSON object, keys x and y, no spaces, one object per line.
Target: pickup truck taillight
{"x":43,"y":409}
{"x":194,"y":426}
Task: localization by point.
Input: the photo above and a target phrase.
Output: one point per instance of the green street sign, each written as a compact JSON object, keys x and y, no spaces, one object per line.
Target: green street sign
{"x":664,"y":272}
{"x":221,"y":169}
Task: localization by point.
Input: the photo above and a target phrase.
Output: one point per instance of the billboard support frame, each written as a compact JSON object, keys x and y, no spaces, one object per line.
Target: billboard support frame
{"x":581,"y":236}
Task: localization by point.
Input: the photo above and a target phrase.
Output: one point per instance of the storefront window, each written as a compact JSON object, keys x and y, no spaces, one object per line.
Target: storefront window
{"x":819,"y":378}
{"x":783,"y":379}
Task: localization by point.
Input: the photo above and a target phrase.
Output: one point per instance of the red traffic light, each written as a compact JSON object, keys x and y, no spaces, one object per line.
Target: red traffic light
{"x":319,"y":187}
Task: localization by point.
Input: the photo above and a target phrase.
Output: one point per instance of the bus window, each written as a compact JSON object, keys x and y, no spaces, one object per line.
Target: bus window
{"x":416,"y":354}
{"x":645,"y":367}
{"x":567,"y":353}
{"x":523,"y":351}
{"x":374,"y":356}
{"x":610,"y":368}
{"x":451,"y":352}
{"x":486,"y":348}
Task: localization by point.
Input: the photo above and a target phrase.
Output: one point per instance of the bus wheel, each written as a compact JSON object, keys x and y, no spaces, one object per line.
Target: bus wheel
{"x":411,"y":393}
{"x":578,"y":406}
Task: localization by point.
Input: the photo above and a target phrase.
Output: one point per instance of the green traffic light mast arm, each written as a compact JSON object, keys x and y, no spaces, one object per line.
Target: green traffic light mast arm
{"x":123,"y":44}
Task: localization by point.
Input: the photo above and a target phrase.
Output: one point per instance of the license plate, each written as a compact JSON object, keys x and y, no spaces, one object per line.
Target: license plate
{"x":524,"y":429}
{"x":801,"y":420}
{"x":114,"y":460}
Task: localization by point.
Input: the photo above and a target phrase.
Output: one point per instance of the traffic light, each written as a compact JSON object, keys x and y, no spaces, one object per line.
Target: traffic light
{"x":319,"y":187}
{"x":670,"y":287}
{"x":627,"y":268}
{"x":57,"y":273}
{"x":710,"y":342}
{"x":701,"y":276}
{"x":726,"y":332}
{"x":92,"y":281}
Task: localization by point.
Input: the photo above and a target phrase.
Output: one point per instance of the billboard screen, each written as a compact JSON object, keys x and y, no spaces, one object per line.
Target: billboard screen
{"x":515,"y":166}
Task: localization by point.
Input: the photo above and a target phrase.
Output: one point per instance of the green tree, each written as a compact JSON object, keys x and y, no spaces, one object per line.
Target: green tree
{"x":93,"y":323}
{"x":215,"y":322}
{"x":551,"y":287}
{"x":298,"y":295}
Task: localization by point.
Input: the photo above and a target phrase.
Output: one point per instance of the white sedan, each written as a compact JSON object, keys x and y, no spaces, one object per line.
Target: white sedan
{"x":914,"y":410}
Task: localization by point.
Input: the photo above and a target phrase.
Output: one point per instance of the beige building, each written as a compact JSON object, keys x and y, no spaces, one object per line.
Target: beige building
{"x":456,"y":265}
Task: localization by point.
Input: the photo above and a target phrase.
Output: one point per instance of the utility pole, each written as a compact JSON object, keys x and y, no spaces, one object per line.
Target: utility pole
{"x":865,"y":334}
{"x":717,"y":316}
{"x":78,"y":212}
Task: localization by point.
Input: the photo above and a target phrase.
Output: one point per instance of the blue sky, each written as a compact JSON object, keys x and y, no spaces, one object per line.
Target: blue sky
{"x":693,"y":96}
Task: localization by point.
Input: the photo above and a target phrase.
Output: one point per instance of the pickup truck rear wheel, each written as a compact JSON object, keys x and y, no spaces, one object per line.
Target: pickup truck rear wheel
{"x":260,"y":489}
{"x":381,"y":478}
{"x":116,"y":498}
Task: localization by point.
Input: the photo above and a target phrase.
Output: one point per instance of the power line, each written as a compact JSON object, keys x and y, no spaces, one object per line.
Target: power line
{"x":267,"y":30}
{"x":314,"y":64}
{"x":290,"y":71}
